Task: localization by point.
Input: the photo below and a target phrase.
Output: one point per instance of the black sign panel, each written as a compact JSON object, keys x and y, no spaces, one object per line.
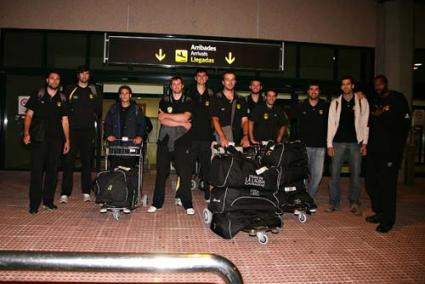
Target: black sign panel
{"x":173,"y":52}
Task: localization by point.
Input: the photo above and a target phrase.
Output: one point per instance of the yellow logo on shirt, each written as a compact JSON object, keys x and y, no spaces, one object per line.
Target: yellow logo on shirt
{"x":91,"y":96}
{"x":321,"y":111}
{"x":266,"y":115}
{"x":59,"y":104}
{"x":238,"y":106}
{"x":169,"y":109}
{"x":207,"y":103}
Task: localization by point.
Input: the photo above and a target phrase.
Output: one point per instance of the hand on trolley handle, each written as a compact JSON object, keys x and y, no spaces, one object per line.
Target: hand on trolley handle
{"x":136,"y":141}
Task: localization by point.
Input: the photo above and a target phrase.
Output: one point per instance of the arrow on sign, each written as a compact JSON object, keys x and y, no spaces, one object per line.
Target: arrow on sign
{"x":160,"y":56}
{"x":229,"y":58}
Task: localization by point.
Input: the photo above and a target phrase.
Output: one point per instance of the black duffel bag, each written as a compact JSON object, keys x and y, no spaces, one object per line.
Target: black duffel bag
{"x":237,"y":171}
{"x":231,"y":199}
{"x":227,"y":225}
{"x":117,"y":188}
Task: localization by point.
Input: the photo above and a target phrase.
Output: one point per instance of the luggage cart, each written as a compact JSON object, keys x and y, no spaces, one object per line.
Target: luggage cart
{"x":129,"y":151}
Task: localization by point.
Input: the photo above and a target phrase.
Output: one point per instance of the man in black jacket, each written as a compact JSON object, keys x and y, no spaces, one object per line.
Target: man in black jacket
{"x":85,"y":107}
{"x":389,"y":127}
{"x":124,"y":119}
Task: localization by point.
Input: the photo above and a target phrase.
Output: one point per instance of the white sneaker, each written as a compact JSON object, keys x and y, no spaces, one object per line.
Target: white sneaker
{"x":152,"y":209}
{"x":190,"y":211}
{"x":126,"y":211}
{"x":64,"y":199}
{"x":103,"y":209}
{"x":178,"y":202}
{"x":86,"y":197}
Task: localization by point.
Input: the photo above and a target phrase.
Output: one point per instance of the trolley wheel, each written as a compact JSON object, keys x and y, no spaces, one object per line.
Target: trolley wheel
{"x":116,"y":214}
{"x":207,"y":214}
{"x":145,"y":200}
{"x":193,"y":184}
{"x":275,"y":230}
{"x":302,"y":217}
{"x":262,"y":238}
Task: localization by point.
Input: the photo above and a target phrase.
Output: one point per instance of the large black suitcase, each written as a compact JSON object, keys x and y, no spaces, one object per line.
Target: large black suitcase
{"x":117,"y":188}
{"x":291,"y":157}
{"x":231,"y":199}
{"x":237,"y":171}
{"x":228,"y":224}
{"x":294,"y":197}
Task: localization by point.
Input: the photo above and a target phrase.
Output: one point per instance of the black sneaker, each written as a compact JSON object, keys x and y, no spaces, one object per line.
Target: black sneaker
{"x":33,"y":211}
{"x":50,"y":206}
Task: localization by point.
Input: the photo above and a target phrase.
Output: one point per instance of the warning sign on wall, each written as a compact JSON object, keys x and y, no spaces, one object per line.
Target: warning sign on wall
{"x":22,"y":101}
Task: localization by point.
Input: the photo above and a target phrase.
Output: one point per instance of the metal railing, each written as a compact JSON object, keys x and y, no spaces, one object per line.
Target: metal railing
{"x":119,"y":262}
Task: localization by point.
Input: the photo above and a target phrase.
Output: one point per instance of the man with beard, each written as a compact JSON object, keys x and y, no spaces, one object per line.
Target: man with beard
{"x":267,"y":122}
{"x":347,"y":134}
{"x":46,"y":128}
{"x":312,"y":117}
{"x":389,"y":127}
{"x":85,"y":108}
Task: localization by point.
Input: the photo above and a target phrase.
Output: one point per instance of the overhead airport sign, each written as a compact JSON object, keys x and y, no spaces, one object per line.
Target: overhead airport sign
{"x":192,"y":52}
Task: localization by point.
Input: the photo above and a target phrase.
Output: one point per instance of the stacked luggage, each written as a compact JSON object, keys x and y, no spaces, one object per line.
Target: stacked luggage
{"x":252,"y":188}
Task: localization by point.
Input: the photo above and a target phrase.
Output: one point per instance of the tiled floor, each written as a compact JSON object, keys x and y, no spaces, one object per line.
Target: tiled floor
{"x":329,"y":248}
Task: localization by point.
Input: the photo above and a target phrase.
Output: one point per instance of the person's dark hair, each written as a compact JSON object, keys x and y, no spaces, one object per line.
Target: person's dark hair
{"x":313,"y":84}
{"x":125,"y":87}
{"x":82,"y":68}
{"x":52,"y":72}
{"x":381,"y":77}
{"x":228,"y":72}
{"x":347,"y":78}
{"x":255,"y":79}
{"x":201,"y":70}
{"x":175,"y":78}
{"x":271,"y":90}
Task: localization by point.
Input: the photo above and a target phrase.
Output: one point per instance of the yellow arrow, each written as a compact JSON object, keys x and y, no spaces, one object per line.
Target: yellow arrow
{"x":160,"y":56}
{"x":229,"y":58}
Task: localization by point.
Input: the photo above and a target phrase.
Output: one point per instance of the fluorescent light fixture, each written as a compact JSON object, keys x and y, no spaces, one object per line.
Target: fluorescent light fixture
{"x":418,"y":64}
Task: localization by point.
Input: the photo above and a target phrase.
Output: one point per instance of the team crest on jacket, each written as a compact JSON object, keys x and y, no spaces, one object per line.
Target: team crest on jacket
{"x":207,"y":103}
{"x":321,"y":111}
{"x":238,"y":106}
{"x":91,"y":96}
{"x":266,"y":115}
{"x":59,"y":104}
{"x":169,"y":109}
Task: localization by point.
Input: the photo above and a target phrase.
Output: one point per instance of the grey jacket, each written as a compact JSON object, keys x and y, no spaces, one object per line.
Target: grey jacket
{"x":173,"y":133}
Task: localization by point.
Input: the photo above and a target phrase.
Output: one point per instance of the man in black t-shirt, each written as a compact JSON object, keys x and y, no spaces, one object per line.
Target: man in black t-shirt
{"x":267,"y":122}
{"x":229,"y":114}
{"x":202,"y":132}
{"x":46,"y":128}
{"x":85,"y":108}
{"x":389,"y":126}
{"x":255,"y":97}
{"x":312,"y":118}
{"x":174,"y":144}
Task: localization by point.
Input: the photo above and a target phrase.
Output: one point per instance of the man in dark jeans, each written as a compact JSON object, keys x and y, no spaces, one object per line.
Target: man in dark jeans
{"x":202,"y":133}
{"x":46,"y":127}
{"x":85,"y":108}
{"x":124,"y":119}
{"x":389,"y":127}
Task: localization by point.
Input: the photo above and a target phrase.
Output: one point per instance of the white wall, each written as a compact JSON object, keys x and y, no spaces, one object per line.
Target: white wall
{"x":346,"y":22}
